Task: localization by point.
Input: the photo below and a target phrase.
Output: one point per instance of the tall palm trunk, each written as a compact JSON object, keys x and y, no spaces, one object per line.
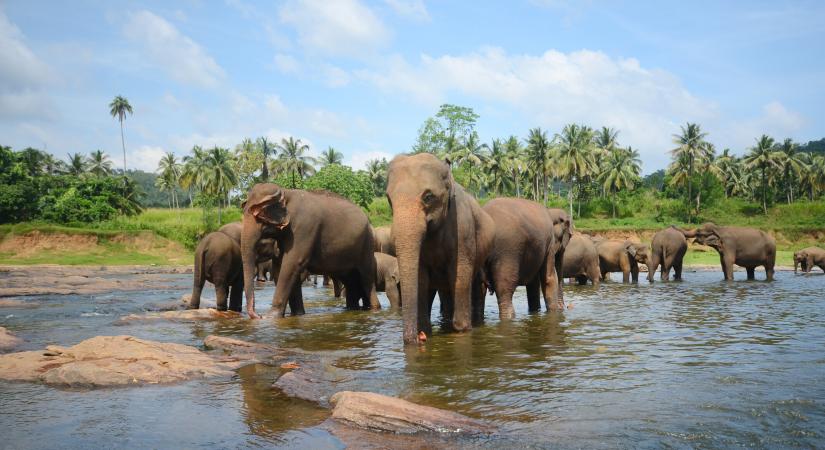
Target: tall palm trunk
{"x":123,"y":144}
{"x":764,"y":192}
{"x":614,"y":204}
{"x":570,"y":196}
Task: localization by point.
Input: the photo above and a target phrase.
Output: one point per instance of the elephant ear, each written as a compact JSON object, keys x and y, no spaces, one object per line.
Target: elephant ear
{"x":631,"y":249}
{"x":271,"y":210}
{"x":715,"y":240}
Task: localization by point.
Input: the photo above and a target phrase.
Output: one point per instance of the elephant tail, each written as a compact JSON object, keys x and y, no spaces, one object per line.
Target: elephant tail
{"x":199,"y":272}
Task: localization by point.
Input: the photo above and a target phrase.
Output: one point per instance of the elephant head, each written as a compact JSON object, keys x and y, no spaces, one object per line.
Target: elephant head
{"x":562,"y":227}
{"x":802,"y":258}
{"x":637,"y":251}
{"x":708,"y":234}
{"x":420,"y":193}
{"x":265,"y":215}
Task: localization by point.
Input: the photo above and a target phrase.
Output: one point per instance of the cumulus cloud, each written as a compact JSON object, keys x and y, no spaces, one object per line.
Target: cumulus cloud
{"x":358,"y":160}
{"x":335,"y":76}
{"x":555,"y":88}
{"x":144,"y":158}
{"x":23,"y":77}
{"x":287,"y":64}
{"x":342,"y":27}
{"x":775,"y":120}
{"x":411,"y":9}
{"x":171,"y":51}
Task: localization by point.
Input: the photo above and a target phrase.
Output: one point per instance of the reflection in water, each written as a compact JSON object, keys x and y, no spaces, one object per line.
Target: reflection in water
{"x":698,"y":363}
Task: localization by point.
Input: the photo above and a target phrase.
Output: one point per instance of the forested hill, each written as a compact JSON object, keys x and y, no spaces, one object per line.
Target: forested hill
{"x":817,"y":147}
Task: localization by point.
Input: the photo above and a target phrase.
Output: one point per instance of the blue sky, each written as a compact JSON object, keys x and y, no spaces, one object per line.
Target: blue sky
{"x":362,"y":76}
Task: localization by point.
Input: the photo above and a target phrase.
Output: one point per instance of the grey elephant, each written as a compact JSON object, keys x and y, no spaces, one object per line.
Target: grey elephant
{"x":745,"y":247}
{"x":581,"y":260}
{"x":383,"y":240}
{"x":264,"y":269}
{"x":621,"y":256}
{"x":316,"y":231}
{"x":218,"y":260}
{"x":387,"y":278}
{"x":442,"y":237}
{"x":667,"y":249}
{"x":808,"y":258}
{"x":523,"y":254}
{"x":562,"y":232}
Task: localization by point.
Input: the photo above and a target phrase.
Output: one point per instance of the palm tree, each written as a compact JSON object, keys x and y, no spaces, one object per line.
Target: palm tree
{"x":763,"y":157}
{"x":605,"y":140}
{"x":267,"y":148}
{"x":377,"y":173}
{"x":726,"y":169}
{"x":688,"y":153}
{"x":793,"y":166}
{"x":293,"y":158}
{"x":169,"y":172}
{"x":193,"y":174}
{"x":516,"y":161}
{"x":99,"y":164}
{"x":331,"y":156}
{"x":220,"y":177}
{"x":575,"y":154}
{"x":53,"y":166}
{"x":538,"y":148}
{"x":77,"y":164}
{"x":496,"y":166}
{"x":622,"y":169}
{"x":118,"y":108}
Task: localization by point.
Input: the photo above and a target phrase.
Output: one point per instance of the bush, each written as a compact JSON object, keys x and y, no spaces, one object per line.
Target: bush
{"x":343,"y":181}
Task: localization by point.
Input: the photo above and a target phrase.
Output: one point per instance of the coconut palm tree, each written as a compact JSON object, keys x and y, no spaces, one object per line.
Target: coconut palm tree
{"x":267,"y":148}
{"x":726,"y":169}
{"x":515,"y":162}
{"x":764,"y":158}
{"x":169,"y":172}
{"x":53,"y":166}
{"x":689,"y":151}
{"x":193,"y":173}
{"x":293,"y":158}
{"x":99,"y":164}
{"x":496,"y":166}
{"x":220,"y":177}
{"x":621,"y":171}
{"x":76,"y":164}
{"x":575,"y":155}
{"x":538,"y":149}
{"x":793,"y":166}
{"x":377,"y":173}
{"x":118,"y":108}
{"x":331,"y":156}
{"x":605,"y":140}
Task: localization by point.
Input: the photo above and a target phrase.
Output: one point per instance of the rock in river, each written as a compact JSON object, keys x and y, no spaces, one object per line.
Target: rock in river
{"x":7,"y":340}
{"x":114,"y":361}
{"x":383,"y":413}
{"x":187,"y":315}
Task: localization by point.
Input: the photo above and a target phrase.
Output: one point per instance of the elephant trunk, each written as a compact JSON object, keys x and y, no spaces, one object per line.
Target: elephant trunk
{"x":795,"y":263}
{"x":249,"y":239}
{"x":408,"y":229}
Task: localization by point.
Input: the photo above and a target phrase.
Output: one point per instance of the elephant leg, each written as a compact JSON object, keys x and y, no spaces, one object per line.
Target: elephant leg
{"x":634,"y":272}
{"x":394,"y":295}
{"x":652,"y":265}
{"x":221,"y":293}
{"x":751,"y":272}
{"x":727,"y":267}
{"x":197,"y":289}
{"x":666,"y":265}
{"x":236,"y":295}
{"x":533,"y":295}
{"x":478,"y":296}
{"x":462,"y":295}
{"x":677,"y":271}
{"x":337,"y":287}
{"x":288,"y":278}
{"x":367,"y":278}
{"x":505,"y":279}
{"x":552,"y":291}
{"x":352,"y":291}
{"x":504,"y":296}
{"x":581,"y":279}
{"x":594,"y":275}
{"x":626,"y":275}
{"x":296,"y":301}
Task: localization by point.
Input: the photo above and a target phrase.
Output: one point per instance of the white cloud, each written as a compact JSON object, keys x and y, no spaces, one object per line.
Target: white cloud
{"x":326,"y":123}
{"x":412,"y":9}
{"x":555,"y":88}
{"x":287,"y":64}
{"x":341,"y":27}
{"x":358,"y":160}
{"x":335,"y":76}
{"x":775,"y":120}
{"x":275,"y":107}
{"x":176,"y":54}
{"x":144,"y":158}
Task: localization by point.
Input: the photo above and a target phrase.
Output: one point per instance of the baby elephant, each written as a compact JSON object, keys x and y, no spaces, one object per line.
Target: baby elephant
{"x":621,"y":256}
{"x":218,"y":260}
{"x":387,"y":278}
{"x":808,"y":258}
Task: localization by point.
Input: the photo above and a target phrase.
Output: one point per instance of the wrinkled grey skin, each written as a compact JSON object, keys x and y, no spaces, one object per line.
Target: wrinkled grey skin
{"x":808,"y":258}
{"x":387,"y":278}
{"x":745,"y":247}
{"x":667,"y":249}
{"x":316,"y":231}
{"x":562,"y":232}
{"x":523,"y":254}
{"x":581,"y":260}
{"x":441,"y":237}
{"x":621,"y":256}
{"x":383,"y":240}
{"x":218,"y":260}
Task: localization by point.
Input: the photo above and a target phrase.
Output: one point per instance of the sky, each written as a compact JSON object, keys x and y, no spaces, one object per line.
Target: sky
{"x":363,"y":76}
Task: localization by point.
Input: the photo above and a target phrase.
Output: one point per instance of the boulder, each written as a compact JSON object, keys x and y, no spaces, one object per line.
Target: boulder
{"x":243,"y":350}
{"x":188,"y":315}
{"x":383,"y":413}
{"x":306,"y":382}
{"x":7,"y":340}
{"x":105,"y":361}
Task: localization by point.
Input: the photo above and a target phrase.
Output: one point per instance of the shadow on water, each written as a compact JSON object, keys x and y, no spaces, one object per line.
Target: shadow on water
{"x":679,"y":364}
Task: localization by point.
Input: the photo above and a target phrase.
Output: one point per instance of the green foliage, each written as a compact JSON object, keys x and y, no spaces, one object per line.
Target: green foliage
{"x":343,"y":181}
{"x":452,"y":125}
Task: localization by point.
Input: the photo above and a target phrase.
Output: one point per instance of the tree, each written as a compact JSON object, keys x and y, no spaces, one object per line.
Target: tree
{"x":726,"y":169}
{"x":444,"y":133}
{"x":763,"y":157}
{"x":622,"y":169}
{"x":77,"y":164}
{"x":118,"y":108}
{"x":538,"y":148}
{"x":793,"y":166}
{"x":220,"y":177}
{"x":497,"y":166}
{"x":430,"y":137}
{"x":169,"y":174}
{"x":690,"y":150}
{"x":293,"y":158}
{"x":193,"y":174}
{"x":266,"y":149}
{"x":377,"y":173}
{"x":575,"y":155}
{"x":343,"y":181}
{"x":331,"y":156}
{"x":516,"y":161}
{"x":99,"y":164}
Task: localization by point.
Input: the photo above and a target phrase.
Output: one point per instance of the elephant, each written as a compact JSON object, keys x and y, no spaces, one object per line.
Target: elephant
{"x":621,"y":256}
{"x":218,"y":260}
{"x":563,"y":231}
{"x":442,"y":237}
{"x":581,"y":260}
{"x":265,"y":268}
{"x":745,"y":247}
{"x":523,"y":254}
{"x":383,"y":240}
{"x":667,"y":249}
{"x":318,"y":231}
{"x":808,"y":258}
{"x":387,"y":278}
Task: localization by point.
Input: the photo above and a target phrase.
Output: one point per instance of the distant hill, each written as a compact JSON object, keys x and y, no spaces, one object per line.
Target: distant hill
{"x":814,"y":147}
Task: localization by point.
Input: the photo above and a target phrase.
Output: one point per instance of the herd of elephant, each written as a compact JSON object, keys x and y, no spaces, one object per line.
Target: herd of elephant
{"x":443,"y":242}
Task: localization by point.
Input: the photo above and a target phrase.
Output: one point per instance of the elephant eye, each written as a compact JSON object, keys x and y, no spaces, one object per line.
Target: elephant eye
{"x":428,"y":197}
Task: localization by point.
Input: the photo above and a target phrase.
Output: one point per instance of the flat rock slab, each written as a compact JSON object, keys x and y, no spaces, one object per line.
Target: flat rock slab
{"x":74,"y":280}
{"x":105,"y":361}
{"x":390,"y":414}
{"x":189,"y":315}
{"x":7,"y":340}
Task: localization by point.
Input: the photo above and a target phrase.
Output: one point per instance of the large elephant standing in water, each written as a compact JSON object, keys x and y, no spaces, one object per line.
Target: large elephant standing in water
{"x":581,"y":260}
{"x":808,"y":258}
{"x":745,"y":247}
{"x":442,"y":237}
{"x":316,"y":231}
{"x":218,"y":260}
{"x":667,"y":249}
{"x":621,"y":256}
{"x":523,"y":254}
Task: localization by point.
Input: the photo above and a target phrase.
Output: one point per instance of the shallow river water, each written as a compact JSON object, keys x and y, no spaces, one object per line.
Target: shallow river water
{"x":701,"y":363}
